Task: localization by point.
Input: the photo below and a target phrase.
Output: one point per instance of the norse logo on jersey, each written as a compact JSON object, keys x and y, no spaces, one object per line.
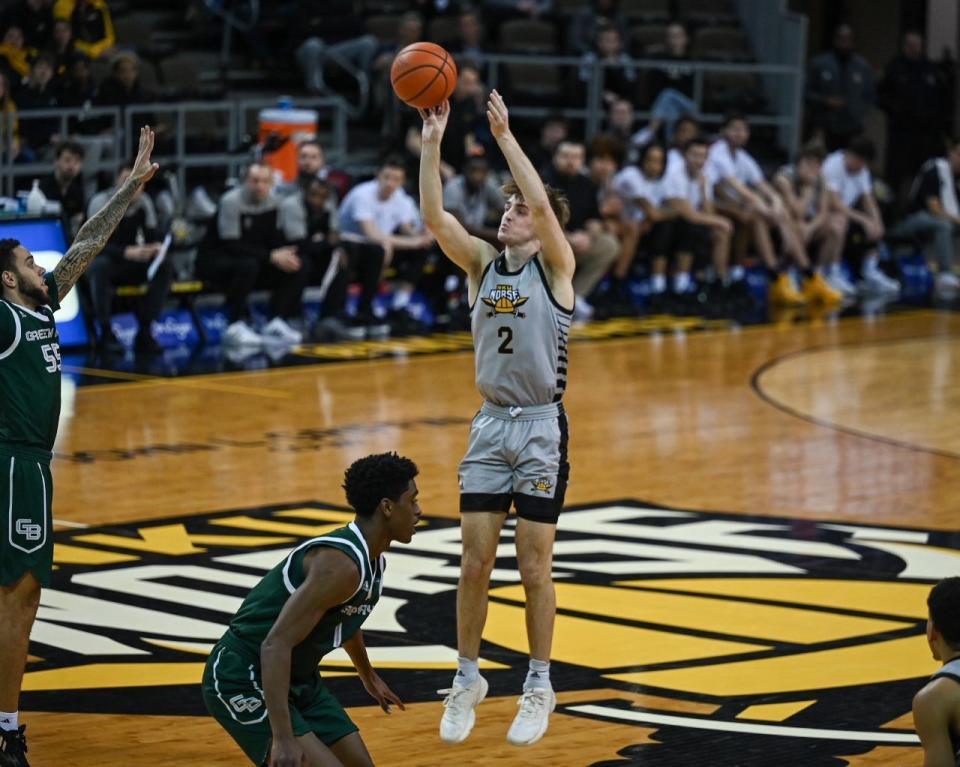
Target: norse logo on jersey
{"x":793,"y":641}
{"x":542,"y":485}
{"x":505,"y":299}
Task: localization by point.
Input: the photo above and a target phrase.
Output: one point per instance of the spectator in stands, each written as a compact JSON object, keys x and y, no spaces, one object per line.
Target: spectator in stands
{"x":65,"y":185}
{"x":685,"y":129}
{"x":467,"y":134}
{"x":381,"y":222}
{"x":39,"y":91}
{"x":310,"y":223}
{"x":311,"y":164}
{"x":847,"y":174}
{"x":744,"y":196}
{"x":553,"y":130}
{"x":78,"y":89}
{"x":123,"y":87}
{"x":697,"y":228}
{"x":470,"y":44}
{"x":409,"y":30}
{"x":840,"y":91}
{"x":330,"y":30}
{"x":934,"y":214}
{"x":643,"y":187}
{"x":92,"y":25}
{"x":620,"y":120}
{"x":245,"y":250}
{"x":15,"y":56}
{"x":585,"y":22}
{"x":33,"y":17}
{"x":621,"y":80}
{"x":594,"y":248}
{"x":475,"y":199}
{"x":61,"y":47}
{"x":914,"y":95}
{"x":808,"y":201}
{"x":678,"y":76}
{"x":9,"y":143}
{"x":126,"y":259}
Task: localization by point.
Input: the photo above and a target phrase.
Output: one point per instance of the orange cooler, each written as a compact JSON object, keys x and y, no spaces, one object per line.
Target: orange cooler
{"x":292,"y":124}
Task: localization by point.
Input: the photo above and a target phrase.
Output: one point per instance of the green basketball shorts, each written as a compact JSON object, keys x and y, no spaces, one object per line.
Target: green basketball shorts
{"x":26,"y":496}
{"x":233,"y":694}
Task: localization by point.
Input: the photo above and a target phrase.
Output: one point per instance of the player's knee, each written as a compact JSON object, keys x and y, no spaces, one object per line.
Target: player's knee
{"x":476,"y":565}
{"x":535,"y":570}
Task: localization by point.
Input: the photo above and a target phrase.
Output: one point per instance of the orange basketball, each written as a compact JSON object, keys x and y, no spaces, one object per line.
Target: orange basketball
{"x":423,"y":75}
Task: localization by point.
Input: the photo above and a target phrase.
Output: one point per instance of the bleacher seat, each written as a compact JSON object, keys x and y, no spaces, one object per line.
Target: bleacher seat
{"x":721,"y":44}
{"x":443,"y":30}
{"x":707,"y":12}
{"x":383,"y":27}
{"x":522,"y":36}
{"x":650,"y":11}
{"x":646,"y":40}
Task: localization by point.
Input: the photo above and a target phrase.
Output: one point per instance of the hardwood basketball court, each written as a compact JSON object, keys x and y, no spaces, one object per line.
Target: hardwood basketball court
{"x":756,"y":517}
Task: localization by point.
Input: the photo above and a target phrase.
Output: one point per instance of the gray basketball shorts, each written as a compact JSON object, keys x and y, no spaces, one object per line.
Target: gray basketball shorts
{"x":516,"y":456}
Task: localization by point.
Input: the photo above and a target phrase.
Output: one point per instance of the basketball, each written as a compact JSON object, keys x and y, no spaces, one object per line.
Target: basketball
{"x":423,"y":75}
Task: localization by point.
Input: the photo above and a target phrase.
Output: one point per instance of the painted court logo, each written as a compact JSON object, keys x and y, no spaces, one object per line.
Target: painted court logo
{"x":505,"y":299}
{"x":770,"y":641}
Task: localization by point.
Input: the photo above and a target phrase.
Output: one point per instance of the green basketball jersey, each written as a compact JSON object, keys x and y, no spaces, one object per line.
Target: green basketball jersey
{"x":263,"y":604}
{"x":29,"y":374}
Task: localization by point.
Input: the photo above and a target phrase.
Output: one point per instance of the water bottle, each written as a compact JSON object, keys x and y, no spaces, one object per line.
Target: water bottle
{"x":36,"y":200}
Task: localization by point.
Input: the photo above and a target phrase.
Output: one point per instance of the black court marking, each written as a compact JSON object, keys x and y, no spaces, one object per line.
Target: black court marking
{"x":205,"y":582}
{"x":758,"y":389}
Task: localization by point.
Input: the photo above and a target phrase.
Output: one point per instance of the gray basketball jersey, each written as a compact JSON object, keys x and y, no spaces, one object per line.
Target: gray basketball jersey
{"x":520,"y":336}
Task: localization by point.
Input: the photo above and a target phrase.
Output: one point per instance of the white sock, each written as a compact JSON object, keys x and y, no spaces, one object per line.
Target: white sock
{"x":658,"y":283}
{"x":467,"y":671}
{"x":9,"y":720}
{"x":538,"y":677}
{"x":681,"y":282}
{"x":870,"y":265}
{"x":737,"y":273}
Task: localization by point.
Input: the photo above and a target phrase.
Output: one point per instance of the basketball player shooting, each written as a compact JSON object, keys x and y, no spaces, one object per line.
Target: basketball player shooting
{"x":522,"y":305}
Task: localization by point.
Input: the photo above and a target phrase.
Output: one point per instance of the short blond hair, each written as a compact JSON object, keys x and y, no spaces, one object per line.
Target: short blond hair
{"x":558,"y":200}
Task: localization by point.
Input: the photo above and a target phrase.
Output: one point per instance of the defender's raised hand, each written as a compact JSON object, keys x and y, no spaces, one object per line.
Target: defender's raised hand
{"x":434,"y":123}
{"x":143,"y":166}
{"x":497,"y":115}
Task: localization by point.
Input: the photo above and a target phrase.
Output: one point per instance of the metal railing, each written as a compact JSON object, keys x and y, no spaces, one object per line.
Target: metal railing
{"x":590,"y":108}
{"x":224,"y":122}
{"x":234,"y":120}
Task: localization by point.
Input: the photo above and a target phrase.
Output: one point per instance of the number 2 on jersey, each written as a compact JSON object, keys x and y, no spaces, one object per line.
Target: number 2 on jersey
{"x":506,"y":337}
{"x":51,"y":353}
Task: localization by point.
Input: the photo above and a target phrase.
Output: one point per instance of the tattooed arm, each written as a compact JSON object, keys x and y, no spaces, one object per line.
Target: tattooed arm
{"x":94,"y":234}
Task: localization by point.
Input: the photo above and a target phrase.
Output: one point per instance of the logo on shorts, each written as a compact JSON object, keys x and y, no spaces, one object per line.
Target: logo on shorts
{"x":244,"y":705}
{"x":505,"y":299}
{"x":29,"y":529}
{"x":542,"y":485}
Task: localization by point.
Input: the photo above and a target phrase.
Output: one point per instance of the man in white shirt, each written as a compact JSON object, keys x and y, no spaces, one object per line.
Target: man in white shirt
{"x":933,"y":213}
{"x":697,"y":227}
{"x":378,"y":218}
{"x":744,"y":196}
{"x":847,"y":173}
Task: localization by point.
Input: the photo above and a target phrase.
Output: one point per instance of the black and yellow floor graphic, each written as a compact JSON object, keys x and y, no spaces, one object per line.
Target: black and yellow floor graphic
{"x":756,"y":641}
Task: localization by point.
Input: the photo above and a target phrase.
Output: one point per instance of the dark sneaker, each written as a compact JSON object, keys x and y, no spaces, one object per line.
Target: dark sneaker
{"x":13,"y":748}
